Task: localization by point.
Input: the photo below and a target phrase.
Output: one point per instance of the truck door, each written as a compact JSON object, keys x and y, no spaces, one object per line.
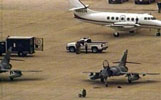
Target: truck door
{"x":82,"y":47}
{"x":38,"y":44}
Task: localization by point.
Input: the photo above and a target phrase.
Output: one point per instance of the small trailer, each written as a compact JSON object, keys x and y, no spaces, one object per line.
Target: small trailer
{"x":21,"y":45}
{"x":116,"y":1}
{"x":144,"y":1}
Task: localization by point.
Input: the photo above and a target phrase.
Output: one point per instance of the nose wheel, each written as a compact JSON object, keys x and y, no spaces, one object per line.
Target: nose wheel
{"x":116,"y":34}
{"x":158,"y":33}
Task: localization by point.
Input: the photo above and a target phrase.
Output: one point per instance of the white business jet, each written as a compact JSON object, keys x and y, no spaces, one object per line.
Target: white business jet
{"x":119,"y":21}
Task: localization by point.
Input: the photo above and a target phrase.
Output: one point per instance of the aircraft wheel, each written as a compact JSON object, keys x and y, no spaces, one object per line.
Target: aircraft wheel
{"x":102,"y":80}
{"x":158,"y":34}
{"x":116,"y":34}
{"x":131,"y":31}
{"x":106,"y":85}
{"x":129,"y":81}
{"x":11,"y":79}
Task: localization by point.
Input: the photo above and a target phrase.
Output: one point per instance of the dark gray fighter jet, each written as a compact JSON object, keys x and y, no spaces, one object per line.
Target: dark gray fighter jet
{"x":5,"y":66}
{"x":120,"y":69}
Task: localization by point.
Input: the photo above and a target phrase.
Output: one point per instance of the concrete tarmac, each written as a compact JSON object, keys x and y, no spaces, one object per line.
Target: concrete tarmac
{"x":62,"y":77}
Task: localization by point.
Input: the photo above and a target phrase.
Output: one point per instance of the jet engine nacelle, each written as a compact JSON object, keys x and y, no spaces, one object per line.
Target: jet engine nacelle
{"x":15,"y":73}
{"x":10,"y":66}
{"x":94,"y":76}
{"x":133,"y":77}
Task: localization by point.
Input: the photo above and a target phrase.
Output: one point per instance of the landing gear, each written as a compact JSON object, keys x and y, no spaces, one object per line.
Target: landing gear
{"x":129,"y":81}
{"x":116,"y":34}
{"x":106,"y":85}
{"x":158,"y":33}
{"x":131,"y":31}
{"x":11,"y":78}
{"x":102,"y":80}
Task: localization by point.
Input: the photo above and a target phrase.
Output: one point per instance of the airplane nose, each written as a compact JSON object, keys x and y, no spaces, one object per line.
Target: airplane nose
{"x":158,"y":23}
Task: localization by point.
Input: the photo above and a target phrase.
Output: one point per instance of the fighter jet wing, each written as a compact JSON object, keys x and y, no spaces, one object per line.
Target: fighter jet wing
{"x":127,"y":73}
{"x":27,"y":70}
{"x":90,"y":72}
{"x":8,"y":70}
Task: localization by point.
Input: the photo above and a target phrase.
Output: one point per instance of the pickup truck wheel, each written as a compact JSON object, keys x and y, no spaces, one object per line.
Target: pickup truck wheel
{"x":94,"y":50}
{"x":71,"y":49}
{"x":22,"y":54}
{"x":11,"y":78}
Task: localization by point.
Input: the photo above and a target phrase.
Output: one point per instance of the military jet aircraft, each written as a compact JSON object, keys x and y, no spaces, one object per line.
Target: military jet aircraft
{"x":120,"y":69}
{"x":5,"y":66}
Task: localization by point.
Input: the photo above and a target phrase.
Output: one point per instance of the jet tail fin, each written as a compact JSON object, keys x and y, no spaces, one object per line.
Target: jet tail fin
{"x":76,"y":5}
{"x":124,"y":59}
{"x":6,"y":58}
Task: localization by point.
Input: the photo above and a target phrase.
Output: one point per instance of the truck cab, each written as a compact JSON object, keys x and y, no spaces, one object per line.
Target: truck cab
{"x":91,"y":46}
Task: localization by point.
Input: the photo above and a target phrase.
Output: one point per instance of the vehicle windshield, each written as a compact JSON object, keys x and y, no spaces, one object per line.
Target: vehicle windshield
{"x":89,"y":40}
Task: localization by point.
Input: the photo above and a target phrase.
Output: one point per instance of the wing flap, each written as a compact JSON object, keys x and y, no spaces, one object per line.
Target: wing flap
{"x":142,"y":73}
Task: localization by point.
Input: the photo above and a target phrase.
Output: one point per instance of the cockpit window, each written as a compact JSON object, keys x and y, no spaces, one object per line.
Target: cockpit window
{"x":145,"y":18}
{"x":153,"y":18}
{"x":117,"y":18}
{"x":132,"y":19}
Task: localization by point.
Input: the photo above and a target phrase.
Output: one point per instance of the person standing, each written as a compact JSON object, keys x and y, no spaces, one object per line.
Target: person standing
{"x":159,"y":6}
{"x":86,"y":48}
{"x":84,"y":93}
{"x":78,"y":47}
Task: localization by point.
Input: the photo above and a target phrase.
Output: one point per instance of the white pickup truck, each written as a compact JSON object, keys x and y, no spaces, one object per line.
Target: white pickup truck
{"x":94,"y":47}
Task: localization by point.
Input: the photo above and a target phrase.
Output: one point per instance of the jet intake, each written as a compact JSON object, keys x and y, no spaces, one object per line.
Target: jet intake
{"x":15,"y":73}
{"x":94,"y":76}
{"x":133,"y":77}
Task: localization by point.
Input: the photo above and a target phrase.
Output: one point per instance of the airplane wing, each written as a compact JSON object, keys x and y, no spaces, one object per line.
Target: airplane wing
{"x":127,"y":73}
{"x":90,"y":72}
{"x":124,"y":26}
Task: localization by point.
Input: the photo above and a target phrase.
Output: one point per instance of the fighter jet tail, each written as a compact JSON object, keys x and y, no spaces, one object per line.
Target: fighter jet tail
{"x":6,"y":58}
{"x":76,"y":4}
{"x":123,"y":59}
